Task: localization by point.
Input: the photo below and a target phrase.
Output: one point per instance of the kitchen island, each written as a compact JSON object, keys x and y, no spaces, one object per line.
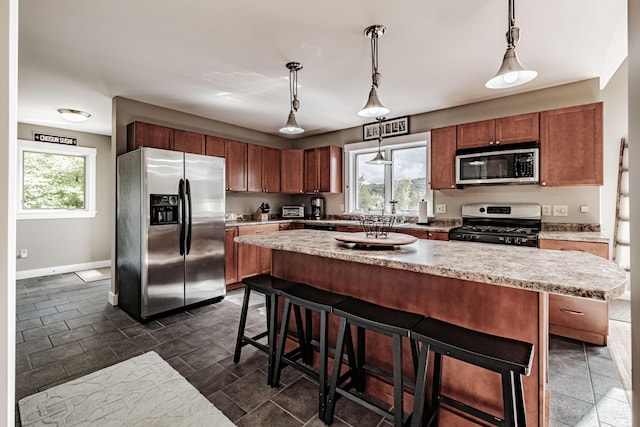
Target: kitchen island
{"x":496,"y":289}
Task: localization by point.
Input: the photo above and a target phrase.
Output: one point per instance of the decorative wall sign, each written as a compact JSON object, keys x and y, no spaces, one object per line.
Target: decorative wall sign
{"x":391,"y":127}
{"x":41,"y":137}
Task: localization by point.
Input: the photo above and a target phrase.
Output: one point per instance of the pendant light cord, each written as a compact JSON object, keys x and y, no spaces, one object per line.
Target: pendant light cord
{"x":293,"y":88}
{"x":512,"y":23}
{"x":374,"y":59}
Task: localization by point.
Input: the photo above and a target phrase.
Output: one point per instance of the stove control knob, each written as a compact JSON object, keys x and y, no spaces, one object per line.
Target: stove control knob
{"x":507,"y":240}
{"x":516,"y":240}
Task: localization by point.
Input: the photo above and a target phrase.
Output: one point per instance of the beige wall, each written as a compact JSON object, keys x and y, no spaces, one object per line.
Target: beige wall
{"x":583,"y":92}
{"x":54,"y":243}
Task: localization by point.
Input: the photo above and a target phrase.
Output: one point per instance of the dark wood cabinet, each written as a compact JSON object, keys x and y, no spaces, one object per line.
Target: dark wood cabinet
{"x":231,"y":256}
{"x":292,"y":171}
{"x":571,"y":146}
{"x":252,"y":259}
{"x":263,"y":169}
{"x":236,"y":166}
{"x":214,"y":146}
{"x":140,"y":134}
{"x":578,"y":318}
{"x":188,"y":142}
{"x":443,"y":158}
{"x":323,"y":170}
{"x":505,"y":130}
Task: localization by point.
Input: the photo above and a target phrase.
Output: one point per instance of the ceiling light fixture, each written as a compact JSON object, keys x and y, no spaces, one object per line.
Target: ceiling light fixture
{"x":379,"y":158}
{"x":374,"y":107}
{"x":291,"y":127}
{"x":512,"y":72}
{"x":74,"y":115}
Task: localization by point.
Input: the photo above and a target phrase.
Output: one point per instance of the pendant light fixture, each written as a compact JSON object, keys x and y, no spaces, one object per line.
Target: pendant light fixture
{"x":291,"y":127}
{"x":512,"y":72}
{"x":374,"y":107}
{"x":379,"y":158}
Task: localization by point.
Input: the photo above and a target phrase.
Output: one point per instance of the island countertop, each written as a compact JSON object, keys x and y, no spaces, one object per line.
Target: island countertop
{"x":570,"y":273}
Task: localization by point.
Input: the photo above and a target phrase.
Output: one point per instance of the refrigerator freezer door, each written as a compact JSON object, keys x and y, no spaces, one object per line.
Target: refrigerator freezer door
{"x":162,"y":278}
{"x":204,"y":268}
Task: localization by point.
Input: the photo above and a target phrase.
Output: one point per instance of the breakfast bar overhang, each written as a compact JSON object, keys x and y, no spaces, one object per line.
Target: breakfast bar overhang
{"x":494,"y":289}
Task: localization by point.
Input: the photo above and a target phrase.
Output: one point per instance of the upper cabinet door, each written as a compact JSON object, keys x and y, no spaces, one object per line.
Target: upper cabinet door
{"x":330,"y":169}
{"x":188,"y":142}
{"x":443,"y":158}
{"x":236,"y":167}
{"x":271,"y":170}
{"x":254,"y":167}
{"x":571,"y":146}
{"x":311,"y":171}
{"x":476,"y":134}
{"x":521,"y":128}
{"x":292,"y":171}
{"x":214,"y":146}
{"x":141,"y":134}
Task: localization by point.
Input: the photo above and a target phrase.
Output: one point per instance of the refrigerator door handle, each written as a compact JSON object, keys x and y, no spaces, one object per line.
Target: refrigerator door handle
{"x":190,"y":217}
{"x":183,"y":209}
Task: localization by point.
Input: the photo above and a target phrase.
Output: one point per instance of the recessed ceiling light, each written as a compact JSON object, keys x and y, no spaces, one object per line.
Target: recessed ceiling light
{"x":74,"y":115}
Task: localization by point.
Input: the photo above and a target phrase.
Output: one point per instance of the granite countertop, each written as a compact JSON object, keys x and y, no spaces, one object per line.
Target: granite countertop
{"x":406,"y":226}
{"x":571,"y":273}
{"x":578,"y":236}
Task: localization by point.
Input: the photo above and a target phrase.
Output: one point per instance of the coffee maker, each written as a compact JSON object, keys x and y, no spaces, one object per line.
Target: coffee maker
{"x":317,"y":208}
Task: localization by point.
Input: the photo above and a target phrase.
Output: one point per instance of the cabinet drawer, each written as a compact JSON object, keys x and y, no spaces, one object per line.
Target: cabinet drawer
{"x":588,"y":318}
{"x":252,"y":229}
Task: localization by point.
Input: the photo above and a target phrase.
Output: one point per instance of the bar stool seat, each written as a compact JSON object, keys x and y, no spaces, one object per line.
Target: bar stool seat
{"x":312,"y":300}
{"x":511,"y":358}
{"x":272,"y":288}
{"x":383,"y":320}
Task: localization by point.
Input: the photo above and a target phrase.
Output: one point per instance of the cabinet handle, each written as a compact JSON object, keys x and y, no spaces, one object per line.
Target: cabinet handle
{"x":543,"y":183}
{"x":575,"y":313}
{"x":453,"y":186}
{"x":490,"y":142}
{"x":497,"y":142}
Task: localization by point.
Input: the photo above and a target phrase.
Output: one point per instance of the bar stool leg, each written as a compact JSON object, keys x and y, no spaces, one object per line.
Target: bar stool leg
{"x":331,"y":398}
{"x":437,"y":386}
{"x":421,"y":389}
{"x":272,"y":304}
{"x":241,"y":326}
{"x":508,"y":390}
{"x":322,"y":375}
{"x":520,"y":408}
{"x":398,"y":406}
{"x":277,"y":365}
{"x":359,"y":383}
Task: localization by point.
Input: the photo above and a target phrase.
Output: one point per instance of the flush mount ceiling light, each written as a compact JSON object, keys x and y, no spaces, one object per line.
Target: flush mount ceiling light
{"x":374,"y":107}
{"x":379,"y":158}
{"x":74,"y":115}
{"x":512,"y":72}
{"x":291,"y":127}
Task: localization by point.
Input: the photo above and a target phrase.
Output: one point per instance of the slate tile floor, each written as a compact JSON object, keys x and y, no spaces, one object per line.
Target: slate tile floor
{"x":66,"y":329}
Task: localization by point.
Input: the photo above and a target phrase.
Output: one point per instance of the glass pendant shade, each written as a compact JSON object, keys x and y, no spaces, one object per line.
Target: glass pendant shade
{"x":74,"y":115}
{"x":373,"y":107}
{"x":291,"y":127}
{"x":512,"y":73}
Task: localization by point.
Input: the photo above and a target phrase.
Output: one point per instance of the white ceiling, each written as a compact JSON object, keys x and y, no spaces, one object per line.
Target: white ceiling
{"x":225,"y":60}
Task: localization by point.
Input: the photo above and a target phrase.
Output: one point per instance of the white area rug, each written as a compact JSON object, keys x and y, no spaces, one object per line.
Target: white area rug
{"x":142,"y":391}
{"x":94,"y":275}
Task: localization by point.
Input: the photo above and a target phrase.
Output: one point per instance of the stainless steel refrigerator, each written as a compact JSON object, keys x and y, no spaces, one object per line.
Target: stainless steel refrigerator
{"x":170,"y":230}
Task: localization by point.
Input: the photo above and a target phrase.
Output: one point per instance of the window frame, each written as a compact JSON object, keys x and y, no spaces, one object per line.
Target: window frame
{"x":89,"y":154}
{"x":387,"y":145}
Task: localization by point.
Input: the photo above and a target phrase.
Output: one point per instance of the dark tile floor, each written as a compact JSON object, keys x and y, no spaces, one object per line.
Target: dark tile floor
{"x":66,"y":329}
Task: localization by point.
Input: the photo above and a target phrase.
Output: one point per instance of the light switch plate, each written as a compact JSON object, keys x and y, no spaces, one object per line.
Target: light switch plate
{"x":560,"y":210}
{"x":546,"y":210}
{"x":584,"y":208}
{"x":441,"y":209}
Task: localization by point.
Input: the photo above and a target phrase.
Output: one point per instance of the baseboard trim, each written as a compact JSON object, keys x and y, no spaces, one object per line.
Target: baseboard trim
{"x":48,"y":271}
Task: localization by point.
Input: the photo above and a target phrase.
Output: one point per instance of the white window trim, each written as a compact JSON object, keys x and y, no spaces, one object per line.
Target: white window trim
{"x":404,"y":141}
{"x":88,"y":153}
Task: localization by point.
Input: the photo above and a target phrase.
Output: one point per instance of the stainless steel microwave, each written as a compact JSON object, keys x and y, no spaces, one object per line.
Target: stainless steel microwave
{"x":293,"y":212}
{"x":507,"y":164}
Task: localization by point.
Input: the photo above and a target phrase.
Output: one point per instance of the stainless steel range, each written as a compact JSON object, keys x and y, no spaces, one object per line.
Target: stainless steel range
{"x":508,"y":224}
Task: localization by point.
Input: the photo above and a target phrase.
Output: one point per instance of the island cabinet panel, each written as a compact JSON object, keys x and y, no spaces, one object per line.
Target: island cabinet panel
{"x":263,"y":169}
{"x":578,"y":318}
{"x":231,"y":256}
{"x":505,"y":130}
{"x":571,"y":146}
{"x":504,"y":311}
{"x":188,"y":142}
{"x":349,"y":228}
{"x":292,"y":171}
{"x":254,"y":260}
{"x":323,"y":170}
{"x":214,"y":146}
{"x":236,"y":165}
{"x":443,"y":158}
{"x":140,"y":134}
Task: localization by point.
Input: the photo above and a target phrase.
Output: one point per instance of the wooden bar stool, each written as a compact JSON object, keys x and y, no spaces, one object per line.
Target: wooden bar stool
{"x":312,"y":300}
{"x":272,"y":288}
{"x":383,"y":320}
{"x":508,"y":357}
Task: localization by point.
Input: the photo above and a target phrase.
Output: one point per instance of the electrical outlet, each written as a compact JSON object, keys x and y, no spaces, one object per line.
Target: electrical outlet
{"x":584,"y":208}
{"x":546,"y":210}
{"x":341,"y":207}
{"x":560,"y":210}
{"x":23,"y":253}
{"x":441,"y":209}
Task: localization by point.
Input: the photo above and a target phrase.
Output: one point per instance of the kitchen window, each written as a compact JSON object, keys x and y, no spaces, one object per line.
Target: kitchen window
{"x":370,"y":188}
{"x":55,"y":181}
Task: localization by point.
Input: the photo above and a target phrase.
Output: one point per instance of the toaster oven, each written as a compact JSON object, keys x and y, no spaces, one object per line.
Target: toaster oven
{"x":293,"y":212}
